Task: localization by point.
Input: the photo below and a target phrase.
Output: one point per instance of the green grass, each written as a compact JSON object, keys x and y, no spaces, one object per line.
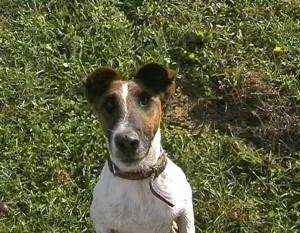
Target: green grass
{"x":241,"y":151}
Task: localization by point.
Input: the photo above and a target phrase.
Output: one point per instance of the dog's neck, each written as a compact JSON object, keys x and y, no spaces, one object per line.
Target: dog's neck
{"x":150,"y":160}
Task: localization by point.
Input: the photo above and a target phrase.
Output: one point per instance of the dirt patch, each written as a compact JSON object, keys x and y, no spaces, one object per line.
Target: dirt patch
{"x":253,"y":110}
{"x":179,"y":109}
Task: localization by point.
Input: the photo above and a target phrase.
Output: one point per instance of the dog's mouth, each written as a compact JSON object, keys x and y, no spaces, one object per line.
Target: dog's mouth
{"x":132,"y":158}
{"x":131,"y":161}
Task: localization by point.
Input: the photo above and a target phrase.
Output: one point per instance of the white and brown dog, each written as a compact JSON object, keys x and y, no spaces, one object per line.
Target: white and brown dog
{"x":140,"y":190}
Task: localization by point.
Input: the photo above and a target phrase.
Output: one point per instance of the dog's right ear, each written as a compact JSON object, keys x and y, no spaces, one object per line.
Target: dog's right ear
{"x":98,"y":82}
{"x":157,"y":80}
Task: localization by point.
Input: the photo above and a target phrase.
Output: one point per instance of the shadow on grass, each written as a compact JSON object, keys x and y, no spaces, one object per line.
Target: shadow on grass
{"x":253,"y":109}
{"x":129,"y":8}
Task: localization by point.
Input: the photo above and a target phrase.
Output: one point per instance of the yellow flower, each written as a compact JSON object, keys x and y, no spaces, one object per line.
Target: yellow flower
{"x":192,"y":56}
{"x":278,"y":50}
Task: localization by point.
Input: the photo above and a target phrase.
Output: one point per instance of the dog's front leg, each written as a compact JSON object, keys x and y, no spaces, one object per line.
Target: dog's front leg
{"x":185,"y":221}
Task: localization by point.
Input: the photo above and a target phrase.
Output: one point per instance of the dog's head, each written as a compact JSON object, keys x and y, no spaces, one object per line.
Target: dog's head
{"x":130,"y":111}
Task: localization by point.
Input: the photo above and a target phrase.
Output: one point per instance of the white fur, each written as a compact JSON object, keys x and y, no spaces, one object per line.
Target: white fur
{"x":124,"y":98}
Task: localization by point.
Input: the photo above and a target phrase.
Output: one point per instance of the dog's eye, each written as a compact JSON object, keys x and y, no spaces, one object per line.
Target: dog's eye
{"x":109,"y":104}
{"x":144,"y":100}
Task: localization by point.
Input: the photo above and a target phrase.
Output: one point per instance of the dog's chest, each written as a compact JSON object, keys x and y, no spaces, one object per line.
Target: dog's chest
{"x":129,"y":206}
{"x":138,"y":208}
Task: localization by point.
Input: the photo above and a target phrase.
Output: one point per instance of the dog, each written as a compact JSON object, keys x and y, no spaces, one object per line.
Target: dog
{"x":140,"y":190}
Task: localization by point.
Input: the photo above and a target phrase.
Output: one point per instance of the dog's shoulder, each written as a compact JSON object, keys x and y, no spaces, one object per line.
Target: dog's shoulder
{"x":175,"y":183}
{"x":175,"y":172}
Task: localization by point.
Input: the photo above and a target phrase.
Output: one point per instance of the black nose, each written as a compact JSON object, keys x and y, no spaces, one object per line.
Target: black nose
{"x":127,"y":142}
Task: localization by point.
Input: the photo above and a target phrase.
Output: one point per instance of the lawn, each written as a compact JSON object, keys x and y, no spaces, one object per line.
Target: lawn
{"x":233,"y":125}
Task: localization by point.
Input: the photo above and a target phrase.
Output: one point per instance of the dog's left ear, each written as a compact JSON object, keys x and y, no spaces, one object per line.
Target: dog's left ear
{"x":157,"y":80}
{"x":98,"y":82}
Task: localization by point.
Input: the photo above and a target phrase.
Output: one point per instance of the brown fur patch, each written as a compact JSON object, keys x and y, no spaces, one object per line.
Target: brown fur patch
{"x":145,"y":118}
{"x":112,"y":96}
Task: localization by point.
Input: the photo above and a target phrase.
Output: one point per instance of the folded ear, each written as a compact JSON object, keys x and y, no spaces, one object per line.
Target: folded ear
{"x":98,"y":82}
{"x":157,"y":80}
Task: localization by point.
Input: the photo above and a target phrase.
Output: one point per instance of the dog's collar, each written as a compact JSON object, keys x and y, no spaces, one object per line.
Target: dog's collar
{"x":152,"y":173}
{"x":155,"y":170}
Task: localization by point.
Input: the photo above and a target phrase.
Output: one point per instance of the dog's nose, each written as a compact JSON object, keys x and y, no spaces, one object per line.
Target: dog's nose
{"x":127,"y":142}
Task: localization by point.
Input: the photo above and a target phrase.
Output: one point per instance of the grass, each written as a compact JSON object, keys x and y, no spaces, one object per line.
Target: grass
{"x":233,"y":125}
